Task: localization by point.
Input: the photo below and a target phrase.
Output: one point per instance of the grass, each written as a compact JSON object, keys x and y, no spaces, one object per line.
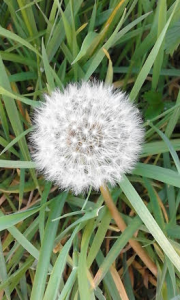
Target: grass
{"x":52,"y":245}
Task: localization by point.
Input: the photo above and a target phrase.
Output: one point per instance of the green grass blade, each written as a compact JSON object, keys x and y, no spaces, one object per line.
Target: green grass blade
{"x":93,"y":18}
{"x":88,"y":216}
{"x":100,"y":54}
{"x":172,"y":276}
{"x":159,"y":147}
{"x":46,"y":248}
{"x":22,"y":76}
{"x":16,"y":139}
{"x":151,"y":58}
{"x":158,"y":173}
{"x":162,"y":7}
{"x":47,"y":68}
{"x":4,"y":121}
{"x":170,"y":191}
{"x":42,"y":211}
{"x":3,"y":274}
{"x":170,"y":147}
{"x":15,"y":58}
{"x":14,"y":117}
{"x":17,"y":250}
{"x":57,"y":38}
{"x":12,"y":280}
{"x":149,"y":221}
{"x":155,"y":204}
{"x":99,"y":237}
{"x":4,"y":92}
{"x":116,"y":248}
{"x":28,"y":187}
{"x":28,"y":16}
{"x":69,"y":284}
{"x":21,"y":186}
{"x":52,"y":21}
{"x":55,"y":278}
{"x":174,"y":119}
{"x":10,"y":35}
{"x":20,"y":238}
{"x":67,"y":27}
{"x":17,"y":164}
{"x":127,"y":280}
{"x":85,"y":45}
{"x":84,"y":289}
{"x":10,"y":220}
{"x":23,"y":286}
{"x":124,"y":30}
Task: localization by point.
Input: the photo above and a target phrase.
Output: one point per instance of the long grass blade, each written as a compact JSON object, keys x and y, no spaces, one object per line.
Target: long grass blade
{"x":149,"y":221}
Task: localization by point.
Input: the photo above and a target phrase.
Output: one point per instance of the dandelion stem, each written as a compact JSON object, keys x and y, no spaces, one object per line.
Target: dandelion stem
{"x":122,"y":226}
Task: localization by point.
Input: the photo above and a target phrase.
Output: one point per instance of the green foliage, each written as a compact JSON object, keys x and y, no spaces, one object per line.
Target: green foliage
{"x":58,"y":246}
{"x":155,"y":104}
{"x":172,"y":38}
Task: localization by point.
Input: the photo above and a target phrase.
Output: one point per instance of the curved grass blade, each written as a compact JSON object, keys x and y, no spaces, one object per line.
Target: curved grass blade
{"x":19,"y":97}
{"x":10,"y":35}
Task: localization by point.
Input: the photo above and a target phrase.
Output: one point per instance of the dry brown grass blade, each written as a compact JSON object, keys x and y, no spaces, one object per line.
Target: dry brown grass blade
{"x":122,"y":226}
{"x":119,"y":284}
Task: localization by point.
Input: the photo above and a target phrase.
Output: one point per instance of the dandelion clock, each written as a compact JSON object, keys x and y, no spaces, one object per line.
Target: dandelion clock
{"x":86,"y":136}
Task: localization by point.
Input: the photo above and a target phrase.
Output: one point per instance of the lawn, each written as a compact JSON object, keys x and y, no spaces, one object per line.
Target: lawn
{"x":117,"y":241}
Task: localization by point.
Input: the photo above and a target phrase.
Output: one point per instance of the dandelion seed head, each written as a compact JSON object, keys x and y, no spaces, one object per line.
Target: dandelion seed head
{"x":88,"y":135}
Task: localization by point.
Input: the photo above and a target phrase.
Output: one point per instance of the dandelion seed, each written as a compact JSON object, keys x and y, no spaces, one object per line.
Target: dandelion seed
{"x":89,"y":135}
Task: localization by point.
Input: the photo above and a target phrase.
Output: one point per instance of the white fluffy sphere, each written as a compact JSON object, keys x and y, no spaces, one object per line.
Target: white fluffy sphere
{"x":86,"y":136}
